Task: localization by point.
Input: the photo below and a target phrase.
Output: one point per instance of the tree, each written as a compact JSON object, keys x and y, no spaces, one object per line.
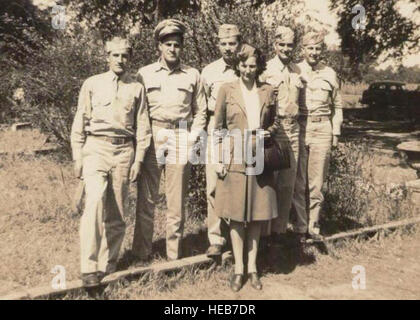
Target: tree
{"x":386,"y":31}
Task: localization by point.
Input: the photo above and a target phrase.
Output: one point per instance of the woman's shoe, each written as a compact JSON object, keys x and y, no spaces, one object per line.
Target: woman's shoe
{"x":236,"y":282}
{"x":255,"y":280}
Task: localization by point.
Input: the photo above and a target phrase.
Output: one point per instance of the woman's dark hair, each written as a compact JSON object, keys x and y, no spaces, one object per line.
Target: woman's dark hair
{"x":246,"y":52}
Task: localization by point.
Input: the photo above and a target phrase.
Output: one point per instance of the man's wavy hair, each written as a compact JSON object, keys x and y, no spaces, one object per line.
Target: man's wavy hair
{"x":246,"y":52}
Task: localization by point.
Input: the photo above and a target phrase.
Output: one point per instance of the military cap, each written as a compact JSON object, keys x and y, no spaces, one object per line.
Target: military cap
{"x":169,"y":26}
{"x":285,"y":33}
{"x":228,"y":30}
{"x":313,"y":37}
{"x":246,"y":51}
{"x":117,"y":43}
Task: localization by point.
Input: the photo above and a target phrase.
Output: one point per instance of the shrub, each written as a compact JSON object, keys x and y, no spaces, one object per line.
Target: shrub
{"x":352,"y":199}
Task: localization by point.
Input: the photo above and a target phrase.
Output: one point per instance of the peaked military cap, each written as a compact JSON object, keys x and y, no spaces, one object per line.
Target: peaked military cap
{"x":169,"y":26}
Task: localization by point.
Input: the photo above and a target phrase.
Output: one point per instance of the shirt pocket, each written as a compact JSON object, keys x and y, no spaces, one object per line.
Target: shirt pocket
{"x":320,"y":90}
{"x":184,"y":93}
{"x":153,"y":91}
{"x":124,"y":112}
{"x":101,"y":107}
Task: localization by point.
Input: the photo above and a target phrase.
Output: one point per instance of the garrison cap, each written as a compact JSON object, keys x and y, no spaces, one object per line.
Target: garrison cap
{"x":169,"y":26}
{"x":246,"y":51}
{"x":313,"y":37}
{"x":285,"y":33}
{"x":228,"y":30}
{"x":117,"y":43}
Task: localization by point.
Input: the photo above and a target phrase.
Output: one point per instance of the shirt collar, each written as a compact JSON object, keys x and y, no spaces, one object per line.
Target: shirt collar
{"x":160,"y":66}
{"x":280,"y":64}
{"x":320,"y":66}
{"x":113,"y":76}
{"x":224,"y":66}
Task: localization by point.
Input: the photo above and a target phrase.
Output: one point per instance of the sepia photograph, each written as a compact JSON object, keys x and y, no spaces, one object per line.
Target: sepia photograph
{"x":239,"y":152}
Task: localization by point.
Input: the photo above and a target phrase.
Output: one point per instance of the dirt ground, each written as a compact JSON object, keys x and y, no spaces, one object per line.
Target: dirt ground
{"x":392,"y":269}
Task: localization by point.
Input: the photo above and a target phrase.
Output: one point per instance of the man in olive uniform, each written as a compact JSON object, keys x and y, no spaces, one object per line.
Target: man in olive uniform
{"x":111,"y":113}
{"x":213,"y":76}
{"x":284,"y":75}
{"x":177,"y":107}
{"x":320,"y":123}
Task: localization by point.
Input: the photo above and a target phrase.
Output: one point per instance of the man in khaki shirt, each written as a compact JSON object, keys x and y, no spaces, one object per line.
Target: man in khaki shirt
{"x":177,"y":110}
{"x":284,"y":75}
{"x":111,"y":113}
{"x":213,"y":76}
{"x":321,"y":120}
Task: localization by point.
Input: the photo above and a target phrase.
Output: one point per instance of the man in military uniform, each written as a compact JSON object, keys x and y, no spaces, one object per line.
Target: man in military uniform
{"x":284,"y":75}
{"x":320,"y":123}
{"x":177,"y":108}
{"x":111,"y":113}
{"x":213,"y":76}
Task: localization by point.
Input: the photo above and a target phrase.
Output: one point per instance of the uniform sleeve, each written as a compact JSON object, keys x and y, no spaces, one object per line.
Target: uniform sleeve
{"x":78,"y":134}
{"x":199,"y":107}
{"x":277,"y":119}
{"x":143,"y":128}
{"x":220,"y":129}
{"x":206,"y":87}
{"x":337,"y":111}
{"x":282,"y":98}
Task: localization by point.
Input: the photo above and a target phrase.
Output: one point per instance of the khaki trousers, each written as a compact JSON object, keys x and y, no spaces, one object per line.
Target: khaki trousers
{"x":106,"y":176}
{"x":214,"y":222}
{"x":290,"y":191}
{"x":176,"y":190}
{"x":313,"y":169}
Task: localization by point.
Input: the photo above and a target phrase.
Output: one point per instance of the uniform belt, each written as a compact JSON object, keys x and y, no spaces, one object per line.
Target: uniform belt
{"x":289,"y":120}
{"x":315,"y":118}
{"x":114,"y":140}
{"x":210,"y":113}
{"x":169,"y":124}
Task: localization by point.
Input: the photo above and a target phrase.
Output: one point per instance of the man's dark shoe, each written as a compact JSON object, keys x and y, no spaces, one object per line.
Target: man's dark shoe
{"x":214,"y":251}
{"x":236,"y":282}
{"x":142,"y":261}
{"x":90,"y":280}
{"x":300,"y":239}
{"x":315,"y":237}
{"x":255,"y":280}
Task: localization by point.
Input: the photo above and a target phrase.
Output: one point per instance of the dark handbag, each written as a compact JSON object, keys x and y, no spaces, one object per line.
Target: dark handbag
{"x":276,"y":155}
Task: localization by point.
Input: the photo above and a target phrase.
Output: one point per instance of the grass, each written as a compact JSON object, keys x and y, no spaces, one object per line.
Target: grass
{"x":38,"y":229}
{"x":353,"y":88}
{"x":22,"y":141}
{"x":301,"y":282}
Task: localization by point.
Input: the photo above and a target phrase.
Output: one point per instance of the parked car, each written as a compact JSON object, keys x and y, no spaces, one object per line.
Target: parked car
{"x":386,"y":98}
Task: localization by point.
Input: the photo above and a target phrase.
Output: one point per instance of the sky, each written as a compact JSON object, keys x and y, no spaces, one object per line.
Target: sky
{"x":320,"y":9}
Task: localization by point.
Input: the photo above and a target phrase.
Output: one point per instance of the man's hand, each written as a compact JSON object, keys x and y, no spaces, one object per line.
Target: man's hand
{"x":135,"y":171}
{"x":78,"y":165}
{"x":335,"y":141}
{"x":221,"y":170}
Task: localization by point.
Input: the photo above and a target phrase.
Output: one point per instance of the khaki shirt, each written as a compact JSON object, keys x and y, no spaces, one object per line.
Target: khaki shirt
{"x":111,"y":107}
{"x":286,"y":80}
{"x":174,"y":95}
{"x":213,"y":76}
{"x":321,"y":96}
